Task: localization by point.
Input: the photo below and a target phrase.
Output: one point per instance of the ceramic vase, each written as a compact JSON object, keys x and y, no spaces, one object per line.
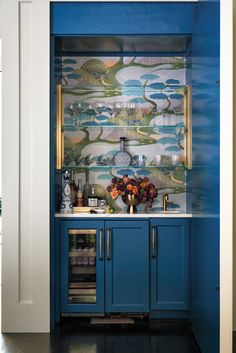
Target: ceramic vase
{"x":66,"y":202}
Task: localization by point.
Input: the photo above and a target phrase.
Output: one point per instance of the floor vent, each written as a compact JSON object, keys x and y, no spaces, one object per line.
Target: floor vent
{"x":112,"y":321}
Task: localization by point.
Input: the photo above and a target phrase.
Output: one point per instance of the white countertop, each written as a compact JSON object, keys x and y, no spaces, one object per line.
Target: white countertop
{"x":125,"y":215}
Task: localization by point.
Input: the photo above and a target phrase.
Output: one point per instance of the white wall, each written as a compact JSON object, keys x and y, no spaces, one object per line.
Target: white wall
{"x":0,"y":175}
{"x":0,"y":118}
{"x":226,"y":177}
{"x":234,"y":172}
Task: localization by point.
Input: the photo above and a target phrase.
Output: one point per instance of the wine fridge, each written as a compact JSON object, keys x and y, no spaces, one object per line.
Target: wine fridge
{"x":83,"y":270}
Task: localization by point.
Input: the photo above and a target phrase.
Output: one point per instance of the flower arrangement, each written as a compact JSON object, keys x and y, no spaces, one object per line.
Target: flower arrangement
{"x":142,"y":188}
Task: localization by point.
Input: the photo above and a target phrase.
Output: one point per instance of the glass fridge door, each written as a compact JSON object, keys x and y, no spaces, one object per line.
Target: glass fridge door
{"x":82,"y":267}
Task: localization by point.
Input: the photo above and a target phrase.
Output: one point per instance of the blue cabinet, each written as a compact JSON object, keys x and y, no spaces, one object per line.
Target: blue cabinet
{"x":104,"y":266}
{"x":169,"y":246}
{"x":127,"y":266}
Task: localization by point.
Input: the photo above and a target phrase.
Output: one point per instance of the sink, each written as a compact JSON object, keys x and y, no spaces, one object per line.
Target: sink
{"x":172,"y":211}
{"x":160,"y":211}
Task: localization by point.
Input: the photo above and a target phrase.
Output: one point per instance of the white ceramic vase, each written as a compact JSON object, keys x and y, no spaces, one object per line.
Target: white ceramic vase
{"x":66,"y":202}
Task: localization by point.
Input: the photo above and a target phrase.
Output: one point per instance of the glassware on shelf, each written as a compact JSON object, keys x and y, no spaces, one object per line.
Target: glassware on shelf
{"x":83,"y":160}
{"x":158,"y":159}
{"x":175,"y":159}
{"x":103,"y":160}
{"x":139,"y":160}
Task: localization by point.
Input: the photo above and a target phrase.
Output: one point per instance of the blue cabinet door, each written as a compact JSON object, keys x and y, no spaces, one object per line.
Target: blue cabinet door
{"x":127,"y":266}
{"x":82,"y":266}
{"x":169,"y":246}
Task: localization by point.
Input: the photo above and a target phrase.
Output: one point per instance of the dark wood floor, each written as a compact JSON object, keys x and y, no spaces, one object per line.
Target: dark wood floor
{"x":97,"y":341}
{"x":234,"y":342}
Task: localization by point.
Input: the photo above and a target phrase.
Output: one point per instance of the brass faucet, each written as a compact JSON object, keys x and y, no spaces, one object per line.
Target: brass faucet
{"x":166,"y":202}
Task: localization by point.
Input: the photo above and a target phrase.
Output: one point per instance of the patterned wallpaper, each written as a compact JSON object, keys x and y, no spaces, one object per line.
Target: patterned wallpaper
{"x":141,"y":98}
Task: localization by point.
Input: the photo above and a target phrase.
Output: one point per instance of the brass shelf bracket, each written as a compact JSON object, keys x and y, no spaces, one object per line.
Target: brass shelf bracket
{"x":59,"y":132}
{"x":188,"y":129}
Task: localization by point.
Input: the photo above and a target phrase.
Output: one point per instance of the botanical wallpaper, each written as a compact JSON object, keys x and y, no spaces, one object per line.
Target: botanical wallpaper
{"x":140,"y":98}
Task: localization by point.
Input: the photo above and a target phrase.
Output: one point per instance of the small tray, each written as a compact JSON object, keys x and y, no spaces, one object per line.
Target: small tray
{"x":82,"y":209}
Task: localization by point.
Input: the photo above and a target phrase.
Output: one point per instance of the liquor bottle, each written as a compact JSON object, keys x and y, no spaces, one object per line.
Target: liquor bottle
{"x":92,"y":199}
{"x":73,"y":188}
{"x":80,"y":200}
{"x":86,"y":189}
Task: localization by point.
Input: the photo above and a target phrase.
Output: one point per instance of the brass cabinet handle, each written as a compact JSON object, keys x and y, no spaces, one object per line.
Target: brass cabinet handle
{"x":153,"y":242}
{"x":188,"y":129}
{"x":108,"y":244}
{"x":59,"y":139}
{"x":100,"y":244}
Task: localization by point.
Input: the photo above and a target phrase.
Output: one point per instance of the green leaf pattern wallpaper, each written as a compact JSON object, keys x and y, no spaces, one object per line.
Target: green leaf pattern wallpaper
{"x":141,"y":98}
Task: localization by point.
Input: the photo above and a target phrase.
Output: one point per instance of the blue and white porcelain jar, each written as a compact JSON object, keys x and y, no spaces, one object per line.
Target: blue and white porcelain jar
{"x":66,"y":202}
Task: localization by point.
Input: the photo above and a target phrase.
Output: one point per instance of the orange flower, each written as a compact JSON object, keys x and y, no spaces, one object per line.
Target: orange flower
{"x":129,"y":187}
{"x":126,"y":179}
{"x":144,"y":184}
{"x":134,"y":190}
{"x":114,"y":193}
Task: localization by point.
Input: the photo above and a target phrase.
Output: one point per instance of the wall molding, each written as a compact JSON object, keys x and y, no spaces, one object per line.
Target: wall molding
{"x":26,"y":269}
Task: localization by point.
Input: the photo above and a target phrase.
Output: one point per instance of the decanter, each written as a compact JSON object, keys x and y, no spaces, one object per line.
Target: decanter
{"x":122,"y":158}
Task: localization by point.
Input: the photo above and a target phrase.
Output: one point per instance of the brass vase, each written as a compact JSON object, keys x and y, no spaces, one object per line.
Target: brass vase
{"x":132,"y":202}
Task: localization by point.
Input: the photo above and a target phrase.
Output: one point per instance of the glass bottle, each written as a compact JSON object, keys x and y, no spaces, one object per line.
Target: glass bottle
{"x":80,"y":200}
{"x":86,"y":188}
{"x":73,"y":188}
{"x":93,"y":199}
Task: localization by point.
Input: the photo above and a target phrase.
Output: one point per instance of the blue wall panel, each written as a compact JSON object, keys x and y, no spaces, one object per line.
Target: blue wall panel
{"x":205,"y":177}
{"x":205,"y":283}
{"x":121,"y":18}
